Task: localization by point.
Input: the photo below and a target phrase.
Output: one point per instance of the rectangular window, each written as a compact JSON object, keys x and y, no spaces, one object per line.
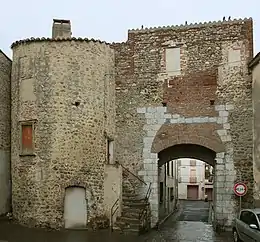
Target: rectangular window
{"x":168,"y":169}
{"x":27,"y":138}
{"x":172,"y":163}
{"x":173,"y":61}
{"x":110,"y":151}
{"x":192,"y":162}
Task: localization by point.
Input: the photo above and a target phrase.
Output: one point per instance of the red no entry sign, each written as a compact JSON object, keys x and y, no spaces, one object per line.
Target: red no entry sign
{"x":240,"y":189}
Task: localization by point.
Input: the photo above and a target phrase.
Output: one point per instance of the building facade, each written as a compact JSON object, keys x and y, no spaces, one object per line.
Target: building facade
{"x":79,"y":105}
{"x":168,"y":192}
{"x":254,"y":68}
{"x":193,"y":184}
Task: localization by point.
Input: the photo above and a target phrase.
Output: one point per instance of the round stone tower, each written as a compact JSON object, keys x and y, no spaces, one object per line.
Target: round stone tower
{"x":62,"y":113}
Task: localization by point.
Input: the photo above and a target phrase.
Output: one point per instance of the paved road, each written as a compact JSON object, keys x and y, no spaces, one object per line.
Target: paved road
{"x":175,"y":229}
{"x":194,"y":211}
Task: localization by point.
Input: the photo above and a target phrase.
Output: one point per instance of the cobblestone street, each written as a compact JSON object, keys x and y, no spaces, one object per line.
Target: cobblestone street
{"x":189,"y":225}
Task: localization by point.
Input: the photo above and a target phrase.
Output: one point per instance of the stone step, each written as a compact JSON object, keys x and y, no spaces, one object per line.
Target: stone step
{"x":135,"y":204}
{"x":125,"y":225}
{"x":129,"y":195}
{"x":131,"y":214}
{"x":128,"y":220}
{"x":133,"y":200}
{"x":126,"y":230}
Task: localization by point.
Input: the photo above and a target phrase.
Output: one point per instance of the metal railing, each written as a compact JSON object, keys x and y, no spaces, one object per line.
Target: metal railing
{"x":114,"y":209}
{"x":116,"y":204}
{"x":137,"y":177}
{"x":144,"y":212}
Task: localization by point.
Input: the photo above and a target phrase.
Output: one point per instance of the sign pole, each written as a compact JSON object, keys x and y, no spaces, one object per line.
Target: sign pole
{"x":240,"y":198}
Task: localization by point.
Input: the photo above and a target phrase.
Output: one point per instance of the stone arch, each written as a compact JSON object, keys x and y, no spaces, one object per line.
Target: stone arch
{"x":187,"y":151}
{"x":202,"y":135}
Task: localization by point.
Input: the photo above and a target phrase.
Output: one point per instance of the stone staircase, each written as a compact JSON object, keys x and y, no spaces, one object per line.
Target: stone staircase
{"x":135,"y":215}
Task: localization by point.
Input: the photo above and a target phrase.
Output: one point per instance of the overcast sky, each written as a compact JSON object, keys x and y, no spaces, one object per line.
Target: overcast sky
{"x":109,"y":20}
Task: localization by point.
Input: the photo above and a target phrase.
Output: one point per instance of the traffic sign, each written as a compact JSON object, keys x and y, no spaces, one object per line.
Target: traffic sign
{"x":240,"y":189}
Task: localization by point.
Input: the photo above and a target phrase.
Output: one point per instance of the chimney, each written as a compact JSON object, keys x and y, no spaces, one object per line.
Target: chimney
{"x":61,"y":28}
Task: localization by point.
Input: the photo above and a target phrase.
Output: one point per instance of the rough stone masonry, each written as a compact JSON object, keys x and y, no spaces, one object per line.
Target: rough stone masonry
{"x":187,"y":85}
{"x":161,"y":89}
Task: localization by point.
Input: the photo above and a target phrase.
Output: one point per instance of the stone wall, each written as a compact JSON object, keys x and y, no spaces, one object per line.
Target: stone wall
{"x":255,"y":69}
{"x":65,"y":89}
{"x":5,"y":137}
{"x":210,"y":97}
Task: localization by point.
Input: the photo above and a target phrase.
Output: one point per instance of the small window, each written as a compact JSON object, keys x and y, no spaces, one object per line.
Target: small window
{"x":27,"y":138}
{"x":110,"y":151}
{"x":173,"y":163}
{"x":173,"y":61}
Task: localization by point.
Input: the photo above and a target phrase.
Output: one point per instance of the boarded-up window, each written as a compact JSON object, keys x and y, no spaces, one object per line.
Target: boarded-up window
{"x":27,"y":138}
{"x":173,"y":61}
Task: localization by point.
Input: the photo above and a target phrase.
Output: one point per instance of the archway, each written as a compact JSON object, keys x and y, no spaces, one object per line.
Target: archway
{"x":181,"y":175}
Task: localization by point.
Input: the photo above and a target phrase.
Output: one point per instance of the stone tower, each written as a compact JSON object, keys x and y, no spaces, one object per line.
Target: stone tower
{"x":62,"y":113}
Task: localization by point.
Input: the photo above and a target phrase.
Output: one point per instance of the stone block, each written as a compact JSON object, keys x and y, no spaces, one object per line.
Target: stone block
{"x":229,"y":107}
{"x":162,"y":109}
{"x":204,"y":119}
{"x":151,"y":133}
{"x":196,"y":120}
{"x":152,"y":121}
{"x":181,"y":120}
{"x":148,"y":161}
{"x":154,"y":155}
{"x":174,"y":121}
{"x":219,"y":161}
{"x":222,"y":132}
{"x":161,"y":121}
{"x":220,"y":107}
{"x":226,"y":126}
{"x":223,"y":113}
{"x":149,"y":115}
{"x":141,"y":110}
{"x":167,"y":115}
{"x":188,"y":120}
{"x":220,"y":155}
{"x":175,"y":116}
{"x":146,"y":154}
{"x":151,"y":110}
{"x":212,"y":119}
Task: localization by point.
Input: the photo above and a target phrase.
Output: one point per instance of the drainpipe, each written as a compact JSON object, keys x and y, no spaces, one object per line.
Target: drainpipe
{"x":176,"y":176}
{"x":165,"y":189}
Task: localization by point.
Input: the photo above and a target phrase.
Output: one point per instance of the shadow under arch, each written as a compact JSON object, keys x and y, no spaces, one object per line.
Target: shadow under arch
{"x":187,"y":151}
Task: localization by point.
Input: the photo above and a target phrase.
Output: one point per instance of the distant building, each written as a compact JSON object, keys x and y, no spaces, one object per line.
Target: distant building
{"x":168,"y":177}
{"x":195,"y":180}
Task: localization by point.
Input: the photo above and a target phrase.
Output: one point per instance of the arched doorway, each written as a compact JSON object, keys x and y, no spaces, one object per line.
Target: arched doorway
{"x":181,"y":176}
{"x":75,"y":208}
{"x":205,"y":142}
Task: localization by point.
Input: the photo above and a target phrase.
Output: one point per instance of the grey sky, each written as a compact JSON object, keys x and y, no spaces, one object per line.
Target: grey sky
{"x":109,"y":20}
